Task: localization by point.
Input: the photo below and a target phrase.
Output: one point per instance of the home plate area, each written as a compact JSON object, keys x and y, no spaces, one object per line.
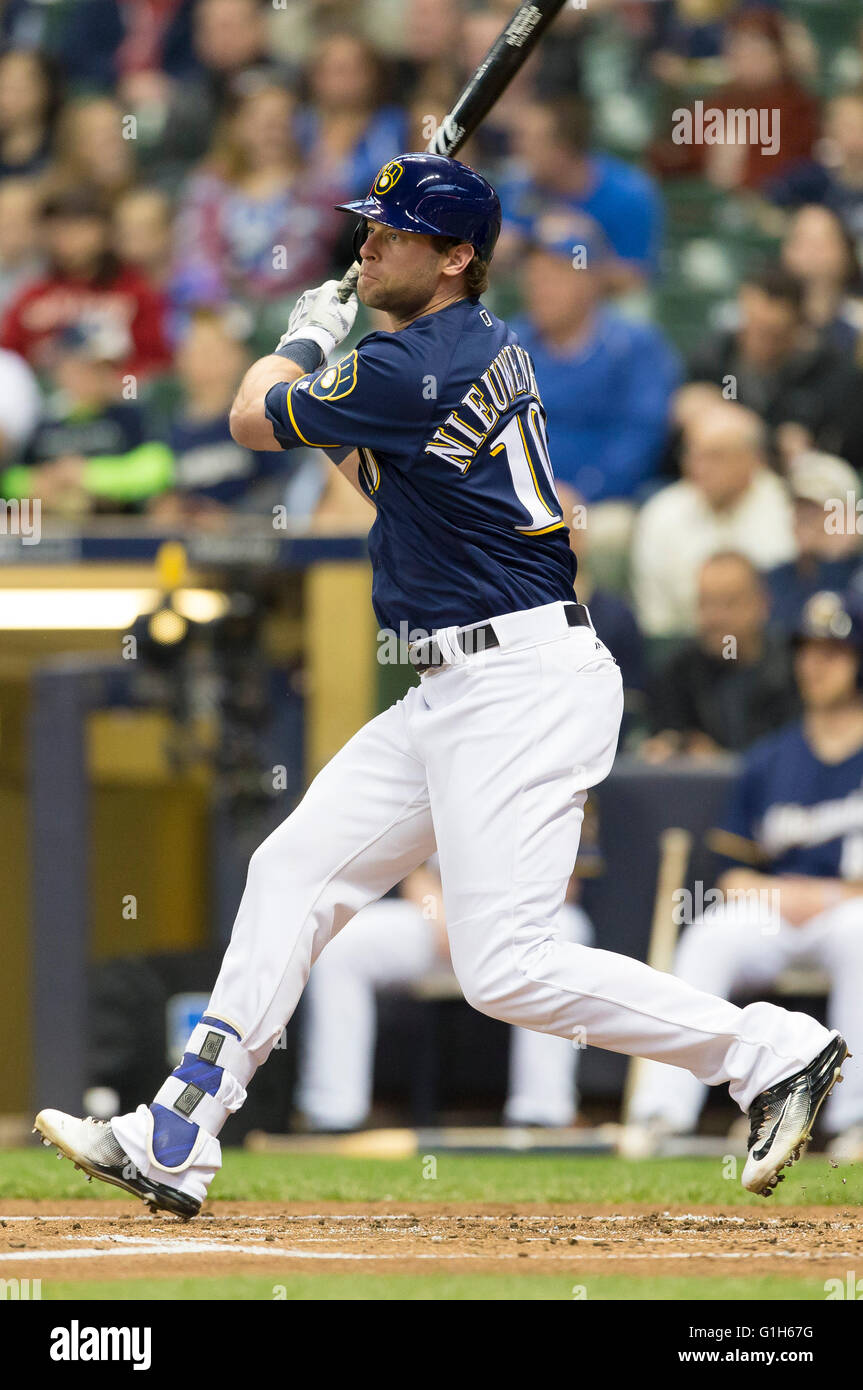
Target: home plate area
{"x":69,"y":1241}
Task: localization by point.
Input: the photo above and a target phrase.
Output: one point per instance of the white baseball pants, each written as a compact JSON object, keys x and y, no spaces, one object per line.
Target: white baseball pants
{"x":740,"y":948}
{"x":391,"y":945}
{"x":489,"y":759}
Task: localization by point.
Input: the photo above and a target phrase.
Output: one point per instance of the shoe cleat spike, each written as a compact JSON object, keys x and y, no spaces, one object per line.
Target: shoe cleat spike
{"x":92,"y":1150}
{"x":789,"y":1126}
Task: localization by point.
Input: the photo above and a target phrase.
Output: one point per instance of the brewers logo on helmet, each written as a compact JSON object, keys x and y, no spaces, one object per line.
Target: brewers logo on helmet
{"x":434,"y":195}
{"x":830,"y":616}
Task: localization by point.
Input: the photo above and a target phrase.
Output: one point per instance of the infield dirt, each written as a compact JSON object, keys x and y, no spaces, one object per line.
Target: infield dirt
{"x":117,"y":1240}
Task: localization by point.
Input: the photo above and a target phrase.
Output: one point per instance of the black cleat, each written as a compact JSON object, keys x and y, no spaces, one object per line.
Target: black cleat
{"x":93,"y":1147}
{"x":781,"y":1118}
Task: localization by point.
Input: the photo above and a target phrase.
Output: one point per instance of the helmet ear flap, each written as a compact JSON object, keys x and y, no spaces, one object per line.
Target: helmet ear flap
{"x":360,"y":233}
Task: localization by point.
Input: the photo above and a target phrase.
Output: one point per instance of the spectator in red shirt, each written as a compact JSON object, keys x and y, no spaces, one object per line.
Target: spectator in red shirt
{"x":761,"y":78}
{"x":85,"y":282}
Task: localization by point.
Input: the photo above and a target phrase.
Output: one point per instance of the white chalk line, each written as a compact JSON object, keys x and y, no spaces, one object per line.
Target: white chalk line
{"x":703,"y":1219}
{"x":133,"y":1245}
{"x":283,"y":1252}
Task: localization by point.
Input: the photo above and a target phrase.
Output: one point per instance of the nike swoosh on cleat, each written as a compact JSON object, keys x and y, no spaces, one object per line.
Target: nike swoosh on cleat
{"x":758,"y":1154}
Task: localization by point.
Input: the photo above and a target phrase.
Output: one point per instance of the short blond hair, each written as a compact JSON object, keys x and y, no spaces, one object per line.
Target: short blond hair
{"x":476,"y":274}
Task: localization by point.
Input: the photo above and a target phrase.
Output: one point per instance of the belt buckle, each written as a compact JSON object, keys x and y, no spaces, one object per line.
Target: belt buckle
{"x":420,"y":654}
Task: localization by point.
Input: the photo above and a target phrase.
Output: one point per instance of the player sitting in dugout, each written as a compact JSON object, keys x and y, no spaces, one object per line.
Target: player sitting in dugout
{"x":793,"y":834}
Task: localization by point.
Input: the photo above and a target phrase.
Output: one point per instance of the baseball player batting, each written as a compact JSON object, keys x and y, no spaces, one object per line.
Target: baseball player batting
{"x":440,"y":424}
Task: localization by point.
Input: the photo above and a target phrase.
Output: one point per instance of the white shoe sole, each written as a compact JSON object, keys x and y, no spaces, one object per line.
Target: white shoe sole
{"x":180,"y":1206}
{"x":769,"y":1173}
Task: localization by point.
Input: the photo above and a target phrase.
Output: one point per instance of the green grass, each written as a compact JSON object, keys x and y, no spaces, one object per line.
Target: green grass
{"x":35,"y":1173}
{"x":516,"y":1178}
{"x":544,"y":1288}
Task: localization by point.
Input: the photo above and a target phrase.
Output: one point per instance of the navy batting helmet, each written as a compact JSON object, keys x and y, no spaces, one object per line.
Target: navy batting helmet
{"x":437,"y":196}
{"x":832,"y":617}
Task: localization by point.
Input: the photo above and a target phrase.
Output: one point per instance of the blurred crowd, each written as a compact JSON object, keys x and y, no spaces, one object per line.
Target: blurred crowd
{"x":168,"y":170}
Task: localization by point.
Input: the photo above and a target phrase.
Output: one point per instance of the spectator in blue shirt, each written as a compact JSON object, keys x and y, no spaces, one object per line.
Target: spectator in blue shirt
{"x":348,"y":129}
{"x":556,"y":169}
{"x":606,"y":381}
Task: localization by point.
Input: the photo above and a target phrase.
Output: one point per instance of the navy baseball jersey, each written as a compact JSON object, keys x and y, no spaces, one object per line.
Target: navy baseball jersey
{"x":791,"y":813}
{"x":450,"y":429}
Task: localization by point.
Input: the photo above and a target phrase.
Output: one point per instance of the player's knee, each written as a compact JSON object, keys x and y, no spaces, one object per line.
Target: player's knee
{"x":264,"y":863}
{"x":492,"y":991}
{"x":288,"y":852}
{"x":491,"y":1003}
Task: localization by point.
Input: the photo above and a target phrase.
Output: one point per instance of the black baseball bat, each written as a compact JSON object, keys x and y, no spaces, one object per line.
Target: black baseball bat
{"x":494,"y":74}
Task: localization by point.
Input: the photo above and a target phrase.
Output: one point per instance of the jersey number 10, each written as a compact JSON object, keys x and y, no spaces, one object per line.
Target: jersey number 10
{"x":529,"y":466}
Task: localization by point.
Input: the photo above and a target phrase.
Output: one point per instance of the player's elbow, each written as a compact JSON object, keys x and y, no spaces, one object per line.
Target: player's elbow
{"x":241,"y":424}
{"x":250,"y":427}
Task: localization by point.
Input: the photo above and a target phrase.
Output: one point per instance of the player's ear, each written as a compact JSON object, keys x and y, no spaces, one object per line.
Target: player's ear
{"x":458,"y":258}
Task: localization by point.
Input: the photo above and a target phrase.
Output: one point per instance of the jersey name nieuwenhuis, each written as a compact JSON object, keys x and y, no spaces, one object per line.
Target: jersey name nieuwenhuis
{"x":451,"y":433}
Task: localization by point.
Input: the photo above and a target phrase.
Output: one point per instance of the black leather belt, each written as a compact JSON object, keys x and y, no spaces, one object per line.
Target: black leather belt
{"x":427,"y":655}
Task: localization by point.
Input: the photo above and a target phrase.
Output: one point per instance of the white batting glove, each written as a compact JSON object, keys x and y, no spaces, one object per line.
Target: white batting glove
{"x":319,"y":315}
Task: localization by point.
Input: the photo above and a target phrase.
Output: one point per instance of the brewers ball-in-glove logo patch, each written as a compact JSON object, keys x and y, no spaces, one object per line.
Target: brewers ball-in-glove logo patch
{"x":388,"y":177}
{"x":825,"y":615}
{"x":337,"y":381}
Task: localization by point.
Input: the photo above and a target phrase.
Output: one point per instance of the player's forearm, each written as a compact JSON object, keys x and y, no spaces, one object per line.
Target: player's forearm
{"x":836,"y":890}
{"x":249,"y":424}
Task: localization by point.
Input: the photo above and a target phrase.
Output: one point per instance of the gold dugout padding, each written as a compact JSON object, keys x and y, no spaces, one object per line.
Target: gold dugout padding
{"x":104,"y":843}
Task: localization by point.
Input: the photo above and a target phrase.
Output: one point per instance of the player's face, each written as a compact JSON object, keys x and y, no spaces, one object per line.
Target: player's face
{"x":536,"y":146}
{"x":731,"y":603}
{"x":400,"y":271}
{"x":718,"y":462}
{"x":76,"y":243}
{"x":558,"y":295}
{"x":769,"y":327}
{"x":826,"y":673}
{"x":845,"y":125}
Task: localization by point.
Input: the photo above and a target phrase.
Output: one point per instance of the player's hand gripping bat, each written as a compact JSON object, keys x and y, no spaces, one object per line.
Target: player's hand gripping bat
{"x":494,"y":74}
